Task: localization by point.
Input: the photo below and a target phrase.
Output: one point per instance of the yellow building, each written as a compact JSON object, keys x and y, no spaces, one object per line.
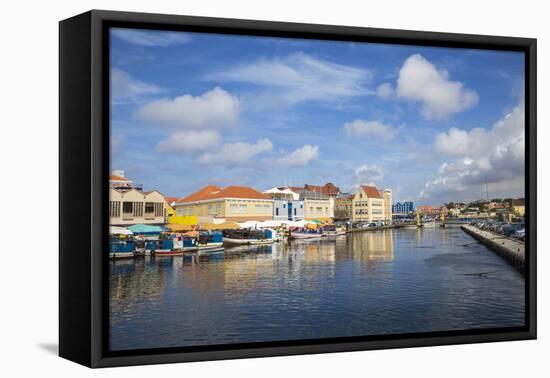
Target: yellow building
{"x":368,"y":205}
{"x":318,"y":209}
{"x":388,"y":212}
{"x":343,"y":207}
{"x":234,"y":203}
{"x":519,"y":206}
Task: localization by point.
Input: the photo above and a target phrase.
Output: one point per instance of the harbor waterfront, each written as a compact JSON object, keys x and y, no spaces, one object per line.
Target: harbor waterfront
{"x":390,"y":281}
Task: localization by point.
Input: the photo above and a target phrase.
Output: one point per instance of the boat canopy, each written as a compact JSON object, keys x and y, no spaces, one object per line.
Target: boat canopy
{"x":219,"y":226}
{"x":114,"y":230}
{"x":146,"y":229}
{"x":180,"y":227}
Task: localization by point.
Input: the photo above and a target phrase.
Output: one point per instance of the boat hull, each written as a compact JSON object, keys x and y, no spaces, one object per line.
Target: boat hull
{"x":121,"y":255}
{"x":305,"y":236}
{"x":233,"y":241}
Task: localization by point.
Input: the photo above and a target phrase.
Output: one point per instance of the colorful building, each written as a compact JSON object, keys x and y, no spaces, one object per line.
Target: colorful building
{"x":518,"y":206}
{"x":233,"y":203}
{"x":286,"y":204}
{"x":369,"y":205}
{"x":343,"y":207}
{"x":403,"y":208}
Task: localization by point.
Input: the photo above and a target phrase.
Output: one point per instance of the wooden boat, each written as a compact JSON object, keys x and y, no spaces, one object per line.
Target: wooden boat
{"x":332,"y":230}
{"x":410,"y":225}
{"x":176,"y":246}
{"x":121,"y":248}
{"x":145,"y":247}
{"x":304,"y":233}
{"x":429,"y":224}
{"x":249,"y":237}
{"x":209,"y":241}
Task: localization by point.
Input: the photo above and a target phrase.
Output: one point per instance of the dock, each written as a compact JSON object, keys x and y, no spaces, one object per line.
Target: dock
{"x":510,"y":249}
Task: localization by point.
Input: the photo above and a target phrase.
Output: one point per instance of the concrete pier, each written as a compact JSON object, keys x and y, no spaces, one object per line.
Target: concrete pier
{"x":510,"y":249}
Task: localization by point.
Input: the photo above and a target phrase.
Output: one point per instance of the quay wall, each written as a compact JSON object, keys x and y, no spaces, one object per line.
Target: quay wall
{"x":511,"y":250}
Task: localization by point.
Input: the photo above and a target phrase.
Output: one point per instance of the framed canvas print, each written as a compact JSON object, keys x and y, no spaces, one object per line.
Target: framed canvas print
{"x":234,"y":188}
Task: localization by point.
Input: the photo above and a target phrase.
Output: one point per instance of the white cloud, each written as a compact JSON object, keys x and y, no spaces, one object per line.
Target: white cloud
{"x":151,"y":38}
{"x":375,"y":129}
{"x":300,"y":77}
{"x":494,"y":156}
{"x":214,"y":109}
{"x":236,"y":153}
{"x":369,"y":174}
{"x":300,"y":157}
{"x":385,"y":90}
{"x":126,"y":88}
{"x":190,"y":141}
{"x":420,"y":80}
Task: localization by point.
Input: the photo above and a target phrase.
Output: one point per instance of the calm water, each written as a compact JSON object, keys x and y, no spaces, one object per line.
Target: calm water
{"x":370,"y":283}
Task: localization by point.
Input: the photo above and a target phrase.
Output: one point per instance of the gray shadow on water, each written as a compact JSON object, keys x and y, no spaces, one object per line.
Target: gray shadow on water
{"x":51,"y":348}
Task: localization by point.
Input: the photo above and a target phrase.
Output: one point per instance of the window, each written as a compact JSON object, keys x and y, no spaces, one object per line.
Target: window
{"x":138,"y":209}
{"x":284,"y":205}
{"x":242,"y":208}
{"x":277,"y":211}
{"x":114,"y":209}
{"x":233,"y":208}
{"x":294,"y":211}
{"x":149,"y":208}
{"x":127,"y":207}
{"x":159,"y":209}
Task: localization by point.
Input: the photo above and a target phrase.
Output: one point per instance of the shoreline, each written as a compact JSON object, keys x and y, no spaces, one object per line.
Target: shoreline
{"x":511,"y":250}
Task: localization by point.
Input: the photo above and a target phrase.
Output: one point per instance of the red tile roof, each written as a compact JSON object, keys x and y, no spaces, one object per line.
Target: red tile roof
{"x":171,"y":199}
{"x":213,"y":192}
{"x":371,"y":191}
{"x":117,"y":178}
{"x":329,"y":189}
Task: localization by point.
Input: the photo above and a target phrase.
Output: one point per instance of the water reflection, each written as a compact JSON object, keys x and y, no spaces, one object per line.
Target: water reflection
{"x":392,"y":281}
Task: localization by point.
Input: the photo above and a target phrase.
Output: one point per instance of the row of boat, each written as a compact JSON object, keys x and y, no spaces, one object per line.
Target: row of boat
{"x":205,"y":242}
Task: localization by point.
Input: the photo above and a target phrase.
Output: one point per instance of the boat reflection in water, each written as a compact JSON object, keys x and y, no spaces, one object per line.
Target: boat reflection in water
{"x":365,"y":283}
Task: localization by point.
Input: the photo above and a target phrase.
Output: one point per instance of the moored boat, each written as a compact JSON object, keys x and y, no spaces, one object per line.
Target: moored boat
{"x":121,"y":248}
{"x":176,"y":246}
{"x":249,"y":237}
{"x":305,"y":233}
{"x":333,"y":230}
{"x":210,"y":242}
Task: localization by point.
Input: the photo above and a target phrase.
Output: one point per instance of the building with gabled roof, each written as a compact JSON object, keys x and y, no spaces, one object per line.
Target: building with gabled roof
{"x":369,"y":205}
{"x":233,"y":203}
{"x":131,"y":206}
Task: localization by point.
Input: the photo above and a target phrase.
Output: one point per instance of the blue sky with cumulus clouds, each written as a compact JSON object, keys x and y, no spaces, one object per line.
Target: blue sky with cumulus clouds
{"x":433,"y":124}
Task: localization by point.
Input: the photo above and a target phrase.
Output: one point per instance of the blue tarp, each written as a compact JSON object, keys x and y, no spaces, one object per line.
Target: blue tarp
{"x":146,"y":229}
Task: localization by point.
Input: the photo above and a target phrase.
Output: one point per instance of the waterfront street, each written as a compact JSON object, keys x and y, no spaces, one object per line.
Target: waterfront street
{"x":366,"y":283}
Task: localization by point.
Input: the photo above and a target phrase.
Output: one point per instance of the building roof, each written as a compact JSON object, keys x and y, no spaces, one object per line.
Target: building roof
{"x":171,"y":200}
{"x":117,"y":178}
{"x":371,"y":191}
{"x":214,"y":192}
{"x":329,"y":189}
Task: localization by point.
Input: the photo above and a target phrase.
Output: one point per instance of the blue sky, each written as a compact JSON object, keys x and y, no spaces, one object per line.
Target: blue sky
{"x":433,"y":124}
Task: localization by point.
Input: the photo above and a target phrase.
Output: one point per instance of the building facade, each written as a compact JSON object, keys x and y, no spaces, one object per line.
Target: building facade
{"x":128,"y":207}
{"x":233,"y":203}
{"x":368,"y":205}
{"x":518,"y":206}
{"x":403,"y":208}
{"x":343,"y":207}
{"x":286,"y":204}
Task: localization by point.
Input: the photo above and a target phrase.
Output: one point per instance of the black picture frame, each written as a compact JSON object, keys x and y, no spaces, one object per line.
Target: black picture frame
{"x":84,"y":170}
